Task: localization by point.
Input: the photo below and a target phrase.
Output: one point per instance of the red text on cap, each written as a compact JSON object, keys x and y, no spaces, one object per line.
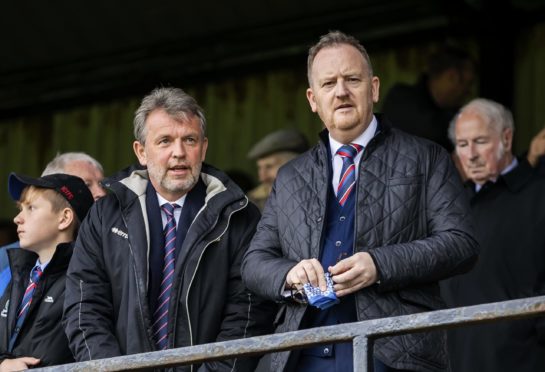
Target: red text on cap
{"x":67,"y":193}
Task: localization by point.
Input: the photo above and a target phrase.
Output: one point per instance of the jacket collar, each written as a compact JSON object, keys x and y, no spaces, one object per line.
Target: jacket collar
{"x":22,"y":260}
{"x":514,"y":181}
{"x":383,"y":128}
{"x":220,"y":190}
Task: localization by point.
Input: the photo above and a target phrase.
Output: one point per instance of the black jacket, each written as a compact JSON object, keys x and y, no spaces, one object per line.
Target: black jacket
{"x":42,"y":335}
{"x":107,"y":311}
{"x":412,"y":217}
{"x":510,"y":222}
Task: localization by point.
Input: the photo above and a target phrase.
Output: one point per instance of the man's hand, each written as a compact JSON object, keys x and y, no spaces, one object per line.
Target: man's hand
{"x":353,"y":273}
{"x":537,"y":148}
{"x":18,"y":364}
{"x":306,"y":271}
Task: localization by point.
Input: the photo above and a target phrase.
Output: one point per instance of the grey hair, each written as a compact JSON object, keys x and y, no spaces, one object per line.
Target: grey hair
{"x":177,"y":104}
{"x":332,"y":39}
{"x":496,"y":116}
{"x":60,"y":161}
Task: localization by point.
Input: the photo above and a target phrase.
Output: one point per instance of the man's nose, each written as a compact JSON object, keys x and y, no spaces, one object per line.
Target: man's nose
{"x":178,"y":150}
{"x":262,"y":175}
{"x":98,"y":191}
{"x":473,"y":153}
{"x":340,"y":89}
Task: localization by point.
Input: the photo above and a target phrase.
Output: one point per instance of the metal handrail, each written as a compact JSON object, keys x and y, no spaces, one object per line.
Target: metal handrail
{"x":361,"y":333}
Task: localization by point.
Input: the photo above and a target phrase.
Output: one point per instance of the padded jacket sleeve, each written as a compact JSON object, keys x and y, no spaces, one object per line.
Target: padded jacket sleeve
{"x":88,"y":309}
{"x":449,"y":247}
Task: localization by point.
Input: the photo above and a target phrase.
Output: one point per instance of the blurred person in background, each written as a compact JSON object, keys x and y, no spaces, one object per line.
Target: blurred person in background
{"x":508,"y":205}
{"x":270,"y":153}
{"x":426,"y":108}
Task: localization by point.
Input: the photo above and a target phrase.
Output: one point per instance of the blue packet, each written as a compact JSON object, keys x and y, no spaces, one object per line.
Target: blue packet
{"x":319,"y":299}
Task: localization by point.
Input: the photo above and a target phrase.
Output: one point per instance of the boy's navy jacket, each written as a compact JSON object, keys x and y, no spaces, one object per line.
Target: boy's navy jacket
{"x":42,"y":335}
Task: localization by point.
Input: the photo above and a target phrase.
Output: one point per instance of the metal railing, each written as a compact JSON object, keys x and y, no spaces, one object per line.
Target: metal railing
{"x":362,"y":335}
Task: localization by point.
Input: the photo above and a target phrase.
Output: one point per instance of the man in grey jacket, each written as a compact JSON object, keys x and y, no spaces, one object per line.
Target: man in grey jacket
{"x":157,"y":261}
{"x":381,"y":212}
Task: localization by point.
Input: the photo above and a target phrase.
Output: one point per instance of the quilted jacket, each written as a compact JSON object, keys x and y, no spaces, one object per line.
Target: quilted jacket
{"x":412,"y":217}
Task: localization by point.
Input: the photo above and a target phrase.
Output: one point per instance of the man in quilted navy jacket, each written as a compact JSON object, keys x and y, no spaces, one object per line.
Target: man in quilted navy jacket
{"x":381,"y":211}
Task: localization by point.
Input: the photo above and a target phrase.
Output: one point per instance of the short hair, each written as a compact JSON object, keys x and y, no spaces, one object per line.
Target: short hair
{"x":177,"y":104}
{"x":493,"y":113}
{"x":60,"y":161}
{"x":332,"y":39}
{"x":446,"y":57}
{"x":58,"y":202}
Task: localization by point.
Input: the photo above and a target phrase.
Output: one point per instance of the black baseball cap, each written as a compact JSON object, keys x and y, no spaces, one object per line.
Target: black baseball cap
{"x":72,"y":188}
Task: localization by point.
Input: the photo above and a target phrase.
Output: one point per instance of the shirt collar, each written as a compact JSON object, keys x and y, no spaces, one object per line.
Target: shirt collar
{"x":505,"y":170}
{"x":510,"y":167}
{"x":162,"y":200}
{"x":363,"y":139}
{"x":41,"y":265}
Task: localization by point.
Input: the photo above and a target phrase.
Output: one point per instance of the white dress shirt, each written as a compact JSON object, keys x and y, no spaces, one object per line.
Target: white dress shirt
{"x":177,"y":211}
{"x":363,"y":139}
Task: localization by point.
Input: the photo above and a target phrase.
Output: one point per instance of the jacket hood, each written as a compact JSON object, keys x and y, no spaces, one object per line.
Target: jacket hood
{"x":218,"y":184}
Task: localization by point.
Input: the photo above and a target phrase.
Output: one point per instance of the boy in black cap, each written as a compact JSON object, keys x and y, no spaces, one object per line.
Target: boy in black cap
{"x":51,"y":210}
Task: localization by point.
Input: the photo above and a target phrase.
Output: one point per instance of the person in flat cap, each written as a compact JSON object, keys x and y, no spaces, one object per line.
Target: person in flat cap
{"x":51,"y":209}
{"x":270,"y":153}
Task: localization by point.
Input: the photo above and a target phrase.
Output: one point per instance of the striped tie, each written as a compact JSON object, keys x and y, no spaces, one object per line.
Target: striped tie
{"x":347,"y":178}
{"x":35,"y":275}
{"x":160,"y":316}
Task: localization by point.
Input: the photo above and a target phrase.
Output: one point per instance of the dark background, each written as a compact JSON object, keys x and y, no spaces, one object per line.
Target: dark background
{"x":72,"y":72}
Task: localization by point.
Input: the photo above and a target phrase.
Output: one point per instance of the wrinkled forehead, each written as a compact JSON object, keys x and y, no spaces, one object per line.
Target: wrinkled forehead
{"x":472,"y":124}
{"x":339,"y":57}
{"x":84,"y":170}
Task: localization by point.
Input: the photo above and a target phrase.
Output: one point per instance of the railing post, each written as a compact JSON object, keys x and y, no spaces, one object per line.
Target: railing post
{"x":361,"y":353}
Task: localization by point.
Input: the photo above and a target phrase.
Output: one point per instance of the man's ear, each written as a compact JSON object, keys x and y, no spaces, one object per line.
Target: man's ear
{"x":375,"y":88}
{"x":139,"y":151}
{"x":507,"y":139}
{"x":66,"y":218}
{"x":311,"y":99}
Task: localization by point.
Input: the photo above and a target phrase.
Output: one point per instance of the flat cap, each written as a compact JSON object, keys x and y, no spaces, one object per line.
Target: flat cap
{"x":280,"y":140}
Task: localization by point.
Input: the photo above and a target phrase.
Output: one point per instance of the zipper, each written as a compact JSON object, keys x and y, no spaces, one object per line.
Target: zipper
{"x":139,"y":298}
{"x":197,"y":267}
{"x":364,"y":156}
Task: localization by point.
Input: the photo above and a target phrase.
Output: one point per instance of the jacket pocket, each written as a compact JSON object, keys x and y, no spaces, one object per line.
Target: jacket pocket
{"x":406,"y":180}
{"x":403,"y":207}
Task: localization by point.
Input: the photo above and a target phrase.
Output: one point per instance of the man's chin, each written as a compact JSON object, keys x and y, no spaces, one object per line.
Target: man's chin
{"x":345,"y":121}
{"x":183,"y":186}
{"x":478,"y":178}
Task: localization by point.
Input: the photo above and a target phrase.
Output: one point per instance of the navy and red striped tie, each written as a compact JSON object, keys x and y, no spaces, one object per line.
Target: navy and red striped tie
{"x":35,"y":276}
{"x":160,"y":325}
{"x":347,"y":178}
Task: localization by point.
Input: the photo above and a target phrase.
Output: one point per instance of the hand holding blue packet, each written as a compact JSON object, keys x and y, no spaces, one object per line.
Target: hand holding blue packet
{"x":321,"y":299}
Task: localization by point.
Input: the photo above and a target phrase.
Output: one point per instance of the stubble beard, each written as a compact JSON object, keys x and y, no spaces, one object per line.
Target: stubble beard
{"x":176,"y":186}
